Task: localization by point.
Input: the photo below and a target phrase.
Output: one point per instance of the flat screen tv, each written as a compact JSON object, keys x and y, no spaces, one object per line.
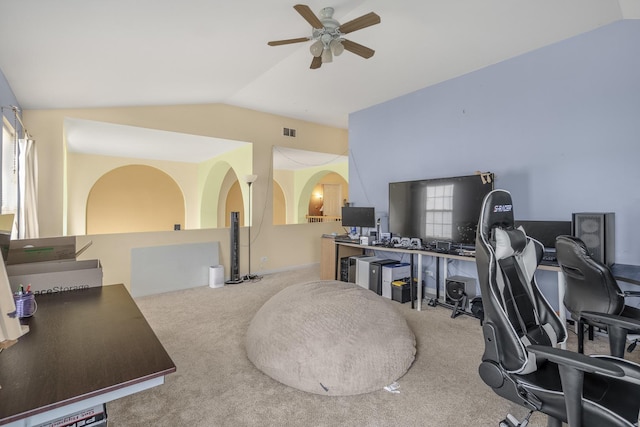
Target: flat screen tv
{"x":358,"y":216}
{"x":441,"y":209}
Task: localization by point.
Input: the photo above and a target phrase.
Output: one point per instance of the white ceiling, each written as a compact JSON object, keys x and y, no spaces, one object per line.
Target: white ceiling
{"x":293,"y":159}
{"x":107,"y":139}
{"x":97,"y":53}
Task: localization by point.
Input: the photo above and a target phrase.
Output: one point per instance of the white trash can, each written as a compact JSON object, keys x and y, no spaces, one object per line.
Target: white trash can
{"x":216,"y":276}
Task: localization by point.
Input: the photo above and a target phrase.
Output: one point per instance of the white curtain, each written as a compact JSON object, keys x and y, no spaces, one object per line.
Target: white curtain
{"x":27,"y":189}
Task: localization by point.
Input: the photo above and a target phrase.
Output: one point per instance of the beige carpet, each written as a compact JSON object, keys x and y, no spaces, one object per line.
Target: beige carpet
{"x":203,"y":330}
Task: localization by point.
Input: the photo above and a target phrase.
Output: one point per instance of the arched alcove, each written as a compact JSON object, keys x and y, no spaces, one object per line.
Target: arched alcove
{"x":233,"y":203}
{"x":279,"y":205}
{"x":307,"y":199}
{"x":134,"y":198}
{"x":221,"y":195}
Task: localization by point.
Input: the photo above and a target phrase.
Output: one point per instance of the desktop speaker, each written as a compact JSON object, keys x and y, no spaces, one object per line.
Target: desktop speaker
{"x":460,"y":289}
{"x":597,"y":231}
{"x":234,"y":252}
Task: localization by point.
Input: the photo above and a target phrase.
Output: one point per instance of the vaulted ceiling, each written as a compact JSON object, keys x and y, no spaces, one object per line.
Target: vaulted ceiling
{"x":93,"y":53}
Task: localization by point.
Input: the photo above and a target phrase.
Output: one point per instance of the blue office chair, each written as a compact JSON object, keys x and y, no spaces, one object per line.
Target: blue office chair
{"x":522,"y":333}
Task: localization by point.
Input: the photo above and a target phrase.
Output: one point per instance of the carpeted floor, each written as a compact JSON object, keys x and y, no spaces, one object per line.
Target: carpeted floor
{"x":203,"y":330}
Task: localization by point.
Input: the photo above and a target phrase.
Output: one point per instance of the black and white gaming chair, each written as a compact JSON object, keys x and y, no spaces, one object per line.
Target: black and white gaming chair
{"x":522,"y":333}
{"x":593,"y":296}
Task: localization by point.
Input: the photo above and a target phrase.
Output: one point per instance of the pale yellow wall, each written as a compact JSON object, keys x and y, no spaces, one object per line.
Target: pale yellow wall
{"x":286,"y":181}
{"x":284,"y":246}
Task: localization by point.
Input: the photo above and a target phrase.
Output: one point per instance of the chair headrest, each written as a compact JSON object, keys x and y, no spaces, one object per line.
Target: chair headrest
{"x":497,"y":213}
{"x":509,"y":242}
{"x":576,"y":245}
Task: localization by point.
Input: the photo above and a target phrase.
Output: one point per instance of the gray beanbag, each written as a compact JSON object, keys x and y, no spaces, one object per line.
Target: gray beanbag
{"x":332,"y":338}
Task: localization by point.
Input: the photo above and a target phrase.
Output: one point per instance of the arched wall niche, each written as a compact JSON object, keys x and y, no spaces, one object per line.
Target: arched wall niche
{"x":279,"y":205}
{"x":134,"y":198}
{"x":219,"y":181}
{"x":233,"y":201}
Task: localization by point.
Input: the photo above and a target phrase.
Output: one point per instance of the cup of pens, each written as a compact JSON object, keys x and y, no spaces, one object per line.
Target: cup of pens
{"x":25,"y":301}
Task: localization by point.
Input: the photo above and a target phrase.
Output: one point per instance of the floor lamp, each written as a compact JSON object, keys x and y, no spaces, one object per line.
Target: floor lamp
{"x":250,"y":179}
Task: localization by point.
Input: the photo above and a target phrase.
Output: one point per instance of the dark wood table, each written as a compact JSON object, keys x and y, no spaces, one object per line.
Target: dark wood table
{"x":84,"y":347}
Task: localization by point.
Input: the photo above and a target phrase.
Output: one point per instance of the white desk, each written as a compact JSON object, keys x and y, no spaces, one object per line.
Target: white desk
{"x":439,"y":255}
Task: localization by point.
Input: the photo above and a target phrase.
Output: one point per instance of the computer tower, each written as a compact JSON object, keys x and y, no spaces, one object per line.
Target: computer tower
{"x":351,"y":273}
{"x":362,"y":270}
{"x":597,"y":231}
{"x":375,"y":274}
{"x":344,"y":269}
{"x":392,"y":272}
{"x":460,"y":289}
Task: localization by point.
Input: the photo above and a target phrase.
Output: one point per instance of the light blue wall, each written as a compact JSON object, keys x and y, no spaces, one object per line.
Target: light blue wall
{"x":560,"y":128}
{"x":7,"y":98}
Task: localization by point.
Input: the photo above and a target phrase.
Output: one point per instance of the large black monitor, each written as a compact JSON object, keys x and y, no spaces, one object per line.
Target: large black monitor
{"x":358,"y":216}
{"x":545,"y":231}
{"x":441,"y":209}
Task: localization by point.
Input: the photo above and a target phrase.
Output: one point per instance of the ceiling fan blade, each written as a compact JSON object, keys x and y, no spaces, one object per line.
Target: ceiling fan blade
{"x":357,"y":24}
{"x":308,"y":15}
{"x":288,"y":41}
{"x":316,"y":63}
{"x":358,"y":49}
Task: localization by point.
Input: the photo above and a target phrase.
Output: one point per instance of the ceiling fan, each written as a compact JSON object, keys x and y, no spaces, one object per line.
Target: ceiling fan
{"x":328,"y":35}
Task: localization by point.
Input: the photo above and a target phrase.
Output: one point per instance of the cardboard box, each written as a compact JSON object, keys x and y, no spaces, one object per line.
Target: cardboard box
{"x":55,"y":276}
{"x":39,"y":250}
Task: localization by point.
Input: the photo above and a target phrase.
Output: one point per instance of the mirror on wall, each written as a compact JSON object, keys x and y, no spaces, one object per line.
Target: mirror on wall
{"x":308,"y":186}
{"x":123,"y":178}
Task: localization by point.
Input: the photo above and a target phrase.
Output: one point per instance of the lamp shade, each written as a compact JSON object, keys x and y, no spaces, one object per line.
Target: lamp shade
{"x":316,"y":48}
{"x":250,"y":179}
{"x":327,"y":56}
{"x":336,"y":47}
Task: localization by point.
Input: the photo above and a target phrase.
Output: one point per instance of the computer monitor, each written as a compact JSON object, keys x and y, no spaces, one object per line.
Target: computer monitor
{"x":358,"y":216}
{"x":545,"y":231}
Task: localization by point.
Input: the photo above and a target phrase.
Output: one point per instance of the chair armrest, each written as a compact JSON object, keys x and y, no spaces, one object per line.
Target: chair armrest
{"x":627,"y":323}
{"x":631,"y":293}
{"x":577,"y":361}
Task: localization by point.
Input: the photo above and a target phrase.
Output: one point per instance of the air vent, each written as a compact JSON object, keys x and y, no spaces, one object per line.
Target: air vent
{"x":289,"y":132}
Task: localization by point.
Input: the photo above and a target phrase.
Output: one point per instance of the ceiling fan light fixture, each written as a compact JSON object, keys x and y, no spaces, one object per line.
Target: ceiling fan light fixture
{"x":327,"y":35}
{"x":336,"y":47}
{"x":327,"y":56}
{"x":316,"y":48}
